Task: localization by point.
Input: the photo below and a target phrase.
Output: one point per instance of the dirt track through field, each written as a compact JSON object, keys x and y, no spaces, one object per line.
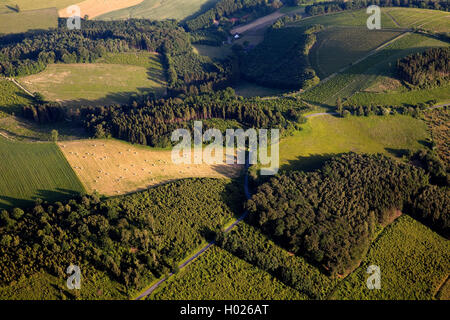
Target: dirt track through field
{"x":94,"y":8}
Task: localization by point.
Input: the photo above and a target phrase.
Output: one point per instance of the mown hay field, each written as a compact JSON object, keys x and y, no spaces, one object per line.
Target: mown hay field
{"x":113,"y":167}
{"x":29,"y":171}
{"x":95,"y":8}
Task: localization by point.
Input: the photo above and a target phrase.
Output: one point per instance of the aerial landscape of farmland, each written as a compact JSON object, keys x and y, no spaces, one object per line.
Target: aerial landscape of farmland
{"x":211,"y":150}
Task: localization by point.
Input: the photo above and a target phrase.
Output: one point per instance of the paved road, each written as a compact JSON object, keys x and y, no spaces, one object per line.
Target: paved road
{"x":204,"y":248}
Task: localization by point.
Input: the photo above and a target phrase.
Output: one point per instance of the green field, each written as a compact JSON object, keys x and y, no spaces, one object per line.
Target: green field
{"x":34,"y":170}
{"x":219,"y":275}
{"x":323,"y":136}
{"x":16,"y":22}
{"x":339,"y":47}
{"x":99,"y":83}
{"x":160,"y":10}
{"x":35,"y":4}
{"x":433,"y":20}
{"x":374,"y":69}
{"x":347,"y":18}
{"x":414,"y":263}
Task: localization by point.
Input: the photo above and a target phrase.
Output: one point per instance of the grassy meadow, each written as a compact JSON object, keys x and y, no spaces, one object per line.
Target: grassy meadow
{"x":16,"y":22}
{"x":160,"y":10}
{"x":323,"y":136}
{"x":414,"y":263}
{"x":35,"y":4}
{"x":433,"y":20}
{"x":113,"y":81}
{"x":404,"y":18}
{"x":34,"y":170}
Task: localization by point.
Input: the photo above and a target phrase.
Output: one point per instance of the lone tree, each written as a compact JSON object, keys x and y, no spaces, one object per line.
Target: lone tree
{"x":17,"y":8}
{"x":54,"y":135}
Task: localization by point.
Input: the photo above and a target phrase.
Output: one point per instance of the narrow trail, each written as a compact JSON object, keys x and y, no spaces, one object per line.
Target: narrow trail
{"x":20,"y":86}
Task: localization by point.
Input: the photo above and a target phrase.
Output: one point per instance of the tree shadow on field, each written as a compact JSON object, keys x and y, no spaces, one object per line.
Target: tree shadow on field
{"x":397,"y":152}
{"x":8,"y":203}
{"x":50,"y":196}
{"x":115,"y":98}
{"x":308,"y":163}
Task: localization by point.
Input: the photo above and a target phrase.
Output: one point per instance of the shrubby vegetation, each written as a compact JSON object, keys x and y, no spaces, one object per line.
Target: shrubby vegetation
{"x":414,"y":263}
{"x":281,"y":60}
{"x":438,"y":121}
{"x":425,"y":68}
{"x":331,"y":215}
{"x":249,"y":244}
{"x":218,"y":275}
{"x":134,"y":238}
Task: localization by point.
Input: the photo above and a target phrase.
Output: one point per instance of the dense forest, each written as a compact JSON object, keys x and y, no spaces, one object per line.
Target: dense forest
{"x":426,"y":68}
{"x":336,"y":6}
{"x":135,"y":238}
{"x":151,"y":123}
{"x":281,"y":60}
{"x":332,"y":215}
